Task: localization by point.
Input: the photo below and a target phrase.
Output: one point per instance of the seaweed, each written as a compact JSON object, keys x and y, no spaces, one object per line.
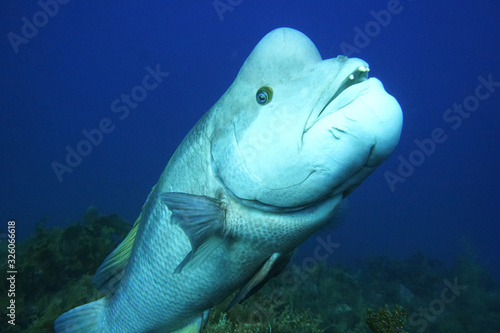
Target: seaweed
{"x":56,"y":268}
{"x":387,"y":321}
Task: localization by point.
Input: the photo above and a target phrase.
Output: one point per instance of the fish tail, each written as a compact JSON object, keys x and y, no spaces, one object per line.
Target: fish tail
{"x":83,"y":319}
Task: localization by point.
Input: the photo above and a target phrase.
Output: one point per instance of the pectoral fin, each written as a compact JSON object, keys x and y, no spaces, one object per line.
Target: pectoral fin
{"x":271,"y":268}
{"x":202,"y":219}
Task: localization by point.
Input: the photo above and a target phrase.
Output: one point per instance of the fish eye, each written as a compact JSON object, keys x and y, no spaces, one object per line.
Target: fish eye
{"x":264,"y":95}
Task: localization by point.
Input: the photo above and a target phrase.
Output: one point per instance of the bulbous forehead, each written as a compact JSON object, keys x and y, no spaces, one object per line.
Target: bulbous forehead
{"x":282,"y":53}
{"x":325,"y":130}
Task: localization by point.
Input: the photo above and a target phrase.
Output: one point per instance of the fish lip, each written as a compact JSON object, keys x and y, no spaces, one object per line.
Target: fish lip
{"x":356,"y":77}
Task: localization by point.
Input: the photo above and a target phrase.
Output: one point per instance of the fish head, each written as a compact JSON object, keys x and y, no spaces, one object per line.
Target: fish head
{"x":294,"y":129}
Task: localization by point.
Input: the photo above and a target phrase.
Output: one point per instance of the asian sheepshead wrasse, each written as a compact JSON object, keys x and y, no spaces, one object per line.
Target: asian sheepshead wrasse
{"x":262,"y":170}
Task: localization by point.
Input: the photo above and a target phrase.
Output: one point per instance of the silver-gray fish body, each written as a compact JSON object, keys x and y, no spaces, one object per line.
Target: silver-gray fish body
{"x":265,"y":168}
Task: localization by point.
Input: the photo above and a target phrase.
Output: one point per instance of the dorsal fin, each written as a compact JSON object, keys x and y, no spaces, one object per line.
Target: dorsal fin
{"x":109,"y":274}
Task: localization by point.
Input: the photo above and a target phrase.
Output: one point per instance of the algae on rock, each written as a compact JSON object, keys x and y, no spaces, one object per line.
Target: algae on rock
{"x":56,"y":268}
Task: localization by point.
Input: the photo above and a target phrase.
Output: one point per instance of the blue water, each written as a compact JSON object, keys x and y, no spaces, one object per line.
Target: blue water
{"x":64,"y":78}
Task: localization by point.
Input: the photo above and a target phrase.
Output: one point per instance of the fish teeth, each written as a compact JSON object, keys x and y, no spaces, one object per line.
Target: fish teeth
{"x":351,"y":77}
{"x":363,"y":69}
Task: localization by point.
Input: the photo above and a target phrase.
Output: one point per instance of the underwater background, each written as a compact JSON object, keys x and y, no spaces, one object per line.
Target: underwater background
{"x":427,"y":219}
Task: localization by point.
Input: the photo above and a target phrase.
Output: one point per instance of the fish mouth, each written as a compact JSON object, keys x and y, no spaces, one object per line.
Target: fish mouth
{"x":357,"y":76}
